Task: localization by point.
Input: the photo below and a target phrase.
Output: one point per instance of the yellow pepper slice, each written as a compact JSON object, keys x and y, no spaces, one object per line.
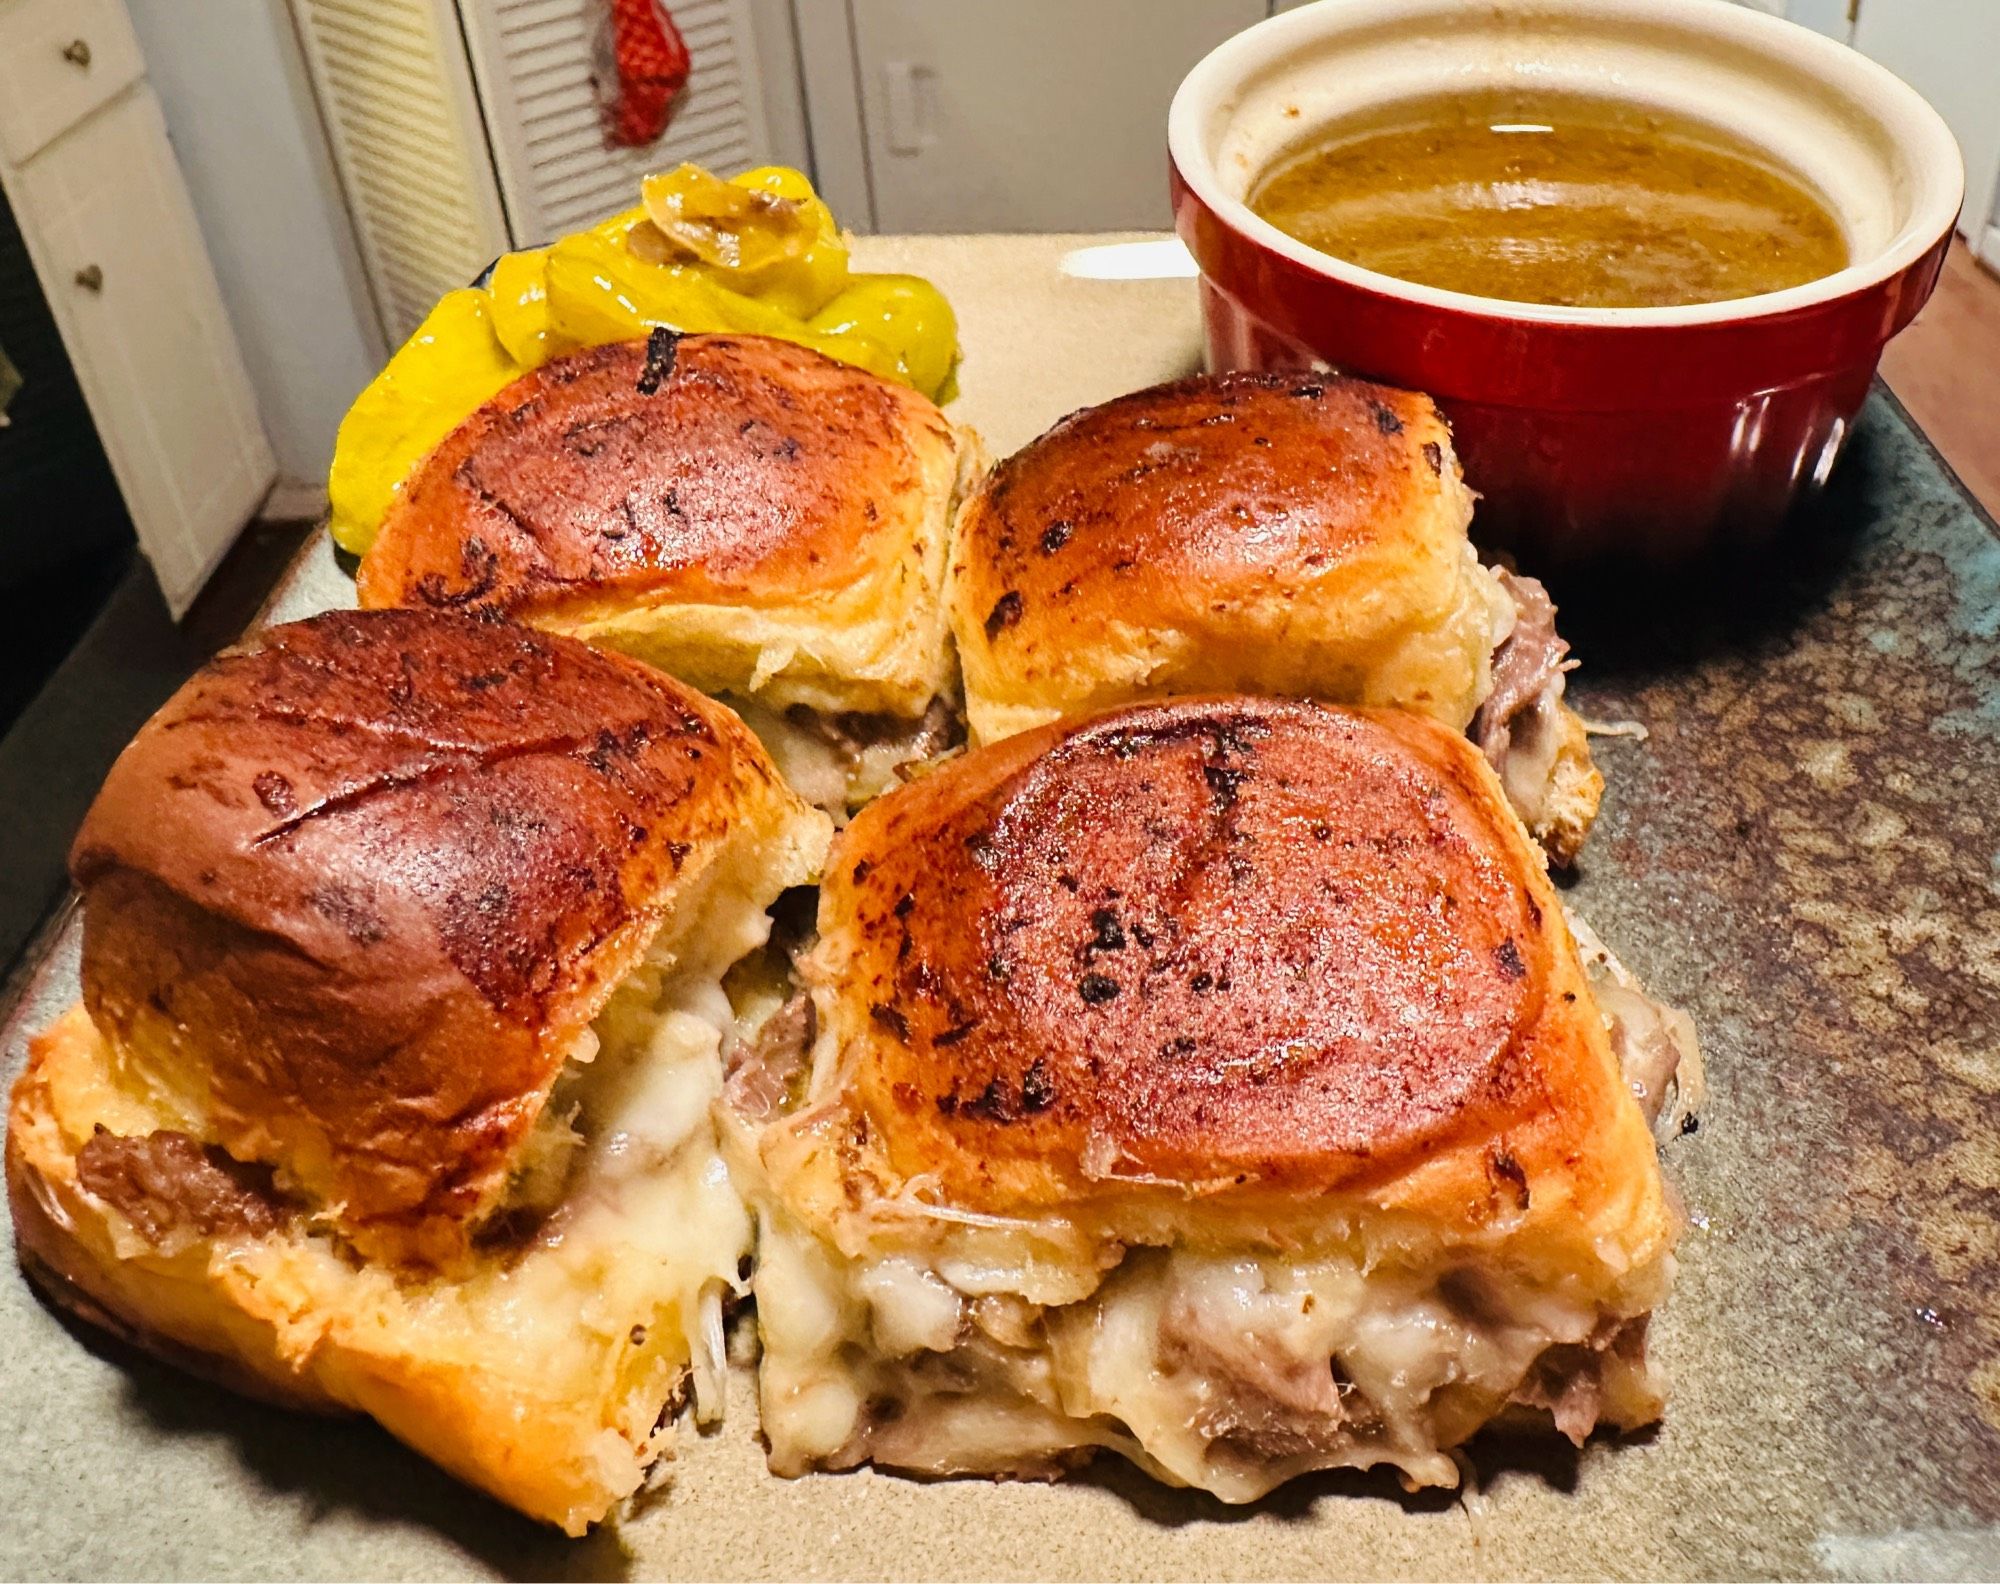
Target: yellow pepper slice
{"x":758,"y":254}
{"x":904,"y":313}
{"x":823,"y":272}
{"x":519,"y":293}
{"x":453,"y":363}
{"x":863,"y":351}
{"x":616,"y":228}
{"x":784,"y":182}
{"x":763,"y":233}
{"x":598,"y":292}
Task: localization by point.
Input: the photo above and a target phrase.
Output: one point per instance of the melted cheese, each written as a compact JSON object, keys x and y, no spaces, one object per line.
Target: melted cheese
{"x":617,"y":1296}
{"x":645,"y":1234}
{"x":1527,"y":769}
{"x":1230,"y":1373}
{"x":818,"y":771}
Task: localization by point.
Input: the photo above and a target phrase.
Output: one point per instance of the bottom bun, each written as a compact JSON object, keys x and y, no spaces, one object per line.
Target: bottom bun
{"x":538,"y":1376}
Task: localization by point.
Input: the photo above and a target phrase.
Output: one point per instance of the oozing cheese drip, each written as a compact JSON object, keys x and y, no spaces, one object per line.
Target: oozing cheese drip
{"x":545,"y":1366}
{"x":1232,"y":1374}
{"x":645,"y":1221}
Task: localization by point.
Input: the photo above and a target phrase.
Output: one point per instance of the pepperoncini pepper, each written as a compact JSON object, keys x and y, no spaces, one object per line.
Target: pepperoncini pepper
{"x":600,"y":291}
{"x":907,"y":315}
{"x":452,"y":364}
{"x":764,"y":231}
{"x":519,"y":293}
{"x":758,"y":254}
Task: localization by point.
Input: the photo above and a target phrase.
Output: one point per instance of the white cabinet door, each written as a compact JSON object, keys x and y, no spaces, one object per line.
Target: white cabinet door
{"x":1029,"y":115}
{"x":59,"y":60}
{"x":402,"y":117}
{"x":107,"y":219}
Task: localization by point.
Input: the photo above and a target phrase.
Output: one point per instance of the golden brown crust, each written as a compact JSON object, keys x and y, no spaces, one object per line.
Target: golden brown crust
{"x":1289,"y":473}
{"x":45,"y":1196}
{"x":1264,"y":949}
{"x":706,"y":468}
{"x":355,"y":890}
{"x":1268,"y":532}
{"x":272,"y":1313}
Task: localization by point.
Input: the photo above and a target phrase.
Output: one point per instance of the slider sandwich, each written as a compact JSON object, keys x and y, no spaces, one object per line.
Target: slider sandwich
{"x":1216,"y":1083}
{"x":390,"y":1088}
{"x":756,"y":519}
{"x":1296,"y":534}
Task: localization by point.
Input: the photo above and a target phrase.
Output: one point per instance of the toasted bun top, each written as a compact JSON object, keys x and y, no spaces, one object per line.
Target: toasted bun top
{"x":709,"y":468}
{"x":1242,"y":946}
{"x":1254,"y":532}
{"x":356,"y":889}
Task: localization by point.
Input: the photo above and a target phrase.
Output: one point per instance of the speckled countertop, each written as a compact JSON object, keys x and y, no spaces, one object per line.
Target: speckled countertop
{"x":1804,"y":852}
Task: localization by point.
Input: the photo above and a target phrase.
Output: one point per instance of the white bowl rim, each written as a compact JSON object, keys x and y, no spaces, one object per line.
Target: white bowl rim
{"x":1906,"y":113}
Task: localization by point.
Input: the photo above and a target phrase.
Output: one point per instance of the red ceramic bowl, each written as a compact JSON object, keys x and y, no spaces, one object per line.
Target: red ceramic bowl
{"x":1591,"y":433}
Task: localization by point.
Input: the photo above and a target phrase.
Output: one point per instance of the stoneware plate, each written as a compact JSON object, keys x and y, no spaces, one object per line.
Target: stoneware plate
{"x":1803,"y":852}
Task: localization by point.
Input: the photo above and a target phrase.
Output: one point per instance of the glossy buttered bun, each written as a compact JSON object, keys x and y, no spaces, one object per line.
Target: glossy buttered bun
{"x":1216,"y":1082}
{"x":401,"y":1012}
{"x":744,"y":513}
{"x":1294,"y":534}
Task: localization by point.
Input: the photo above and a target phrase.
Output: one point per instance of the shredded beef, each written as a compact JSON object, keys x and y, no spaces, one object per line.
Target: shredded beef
{"x":1528,"y":665}
{"x":1647,"y":1050}
{"x":1568,"y":1380}
{"x":1257,"y":1402}
{"x":1263,"y":1404}
{"x":852,"y":733}
{"x":166,"y":1183}
{"x":1656,"y":1044}
{"x":763,"y":1071}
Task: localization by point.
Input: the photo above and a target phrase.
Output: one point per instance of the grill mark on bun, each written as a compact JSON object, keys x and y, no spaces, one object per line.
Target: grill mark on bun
{"x":478,"y":567}
{"x":592,"y":750}
{"x":1005,"y":613}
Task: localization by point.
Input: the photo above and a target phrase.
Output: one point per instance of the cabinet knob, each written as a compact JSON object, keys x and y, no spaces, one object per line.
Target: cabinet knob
{"x":76,"y":52}
{"x":90,"y":278}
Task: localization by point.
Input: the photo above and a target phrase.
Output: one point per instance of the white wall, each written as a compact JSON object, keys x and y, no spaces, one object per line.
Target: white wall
{"x":1831,"y":17}
{"x":243,"y":122}
{"x":1001,"y":115}
{"x":1949,"y":51}
{"x":1822,"y":16}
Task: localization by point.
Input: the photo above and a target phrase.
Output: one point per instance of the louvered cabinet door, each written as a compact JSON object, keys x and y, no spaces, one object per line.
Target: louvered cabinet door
{"x":107,"y":219}
{"x":533,"y":60}
{"x":401,"y":112}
